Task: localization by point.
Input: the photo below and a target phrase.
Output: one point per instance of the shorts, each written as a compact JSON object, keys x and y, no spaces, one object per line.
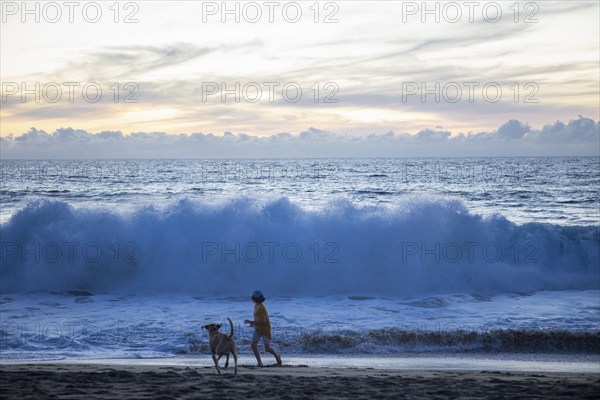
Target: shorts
{"x":256,"y":337}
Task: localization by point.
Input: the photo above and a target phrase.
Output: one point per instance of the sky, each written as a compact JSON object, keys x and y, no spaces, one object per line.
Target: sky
{"x":341,"y":78}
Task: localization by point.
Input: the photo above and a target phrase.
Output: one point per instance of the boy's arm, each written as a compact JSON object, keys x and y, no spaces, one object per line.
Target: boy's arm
{"x":254,"y":323}
{"x":260,"y":319}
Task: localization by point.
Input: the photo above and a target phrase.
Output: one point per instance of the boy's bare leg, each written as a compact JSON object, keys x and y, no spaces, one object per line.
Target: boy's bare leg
{"x":256,"y":353}
{"x":270,"y":350}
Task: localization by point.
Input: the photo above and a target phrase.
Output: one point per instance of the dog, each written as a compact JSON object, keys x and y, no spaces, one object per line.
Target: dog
{"x":221,"y":345}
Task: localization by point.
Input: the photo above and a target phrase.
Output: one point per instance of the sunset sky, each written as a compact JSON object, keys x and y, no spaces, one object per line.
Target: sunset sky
{"x":369,"y":64}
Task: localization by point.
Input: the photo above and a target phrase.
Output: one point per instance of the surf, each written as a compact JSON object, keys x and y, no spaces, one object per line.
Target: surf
{"x":415,"y":247}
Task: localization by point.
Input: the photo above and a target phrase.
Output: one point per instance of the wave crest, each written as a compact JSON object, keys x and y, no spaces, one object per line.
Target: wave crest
{"x":416,"y":247}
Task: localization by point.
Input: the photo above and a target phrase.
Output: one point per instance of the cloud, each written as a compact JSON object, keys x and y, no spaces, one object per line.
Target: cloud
{"x":513,"y":129}
{"x":580,"y":136}
{"x":112,"y":63}
{"x":581,"y":130}
{"x":433,"y":136}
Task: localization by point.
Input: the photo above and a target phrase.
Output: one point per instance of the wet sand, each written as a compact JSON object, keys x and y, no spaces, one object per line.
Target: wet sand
{"x":98,"y":381}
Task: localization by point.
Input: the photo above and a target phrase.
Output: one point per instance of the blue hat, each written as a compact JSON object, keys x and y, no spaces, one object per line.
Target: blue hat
{"x":257,"y":294}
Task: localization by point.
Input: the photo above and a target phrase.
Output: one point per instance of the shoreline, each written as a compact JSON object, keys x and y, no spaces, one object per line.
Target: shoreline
{"x":465,"y":361}
{"x":77,"y":380}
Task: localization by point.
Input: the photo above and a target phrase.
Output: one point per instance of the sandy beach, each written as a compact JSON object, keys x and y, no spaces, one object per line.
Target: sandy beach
{"x":97,"y":381}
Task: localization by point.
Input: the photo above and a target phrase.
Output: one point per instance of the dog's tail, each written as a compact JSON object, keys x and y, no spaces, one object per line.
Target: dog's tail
{"x":231,"y":326}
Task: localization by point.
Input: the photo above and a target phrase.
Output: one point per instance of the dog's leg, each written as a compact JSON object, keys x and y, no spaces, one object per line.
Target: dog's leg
{"x":234,"y":352}
{"x":216,"y":363}
{"x":227,"y":361}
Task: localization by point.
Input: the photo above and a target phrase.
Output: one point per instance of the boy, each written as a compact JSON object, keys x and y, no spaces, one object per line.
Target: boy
{"x":262,"y":327}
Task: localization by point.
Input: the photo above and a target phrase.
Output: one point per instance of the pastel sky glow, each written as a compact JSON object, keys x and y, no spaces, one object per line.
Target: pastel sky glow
{"x":371,"y":65}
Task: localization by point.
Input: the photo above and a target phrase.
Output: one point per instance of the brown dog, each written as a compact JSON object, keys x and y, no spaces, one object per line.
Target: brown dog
{"x":221,"y":344}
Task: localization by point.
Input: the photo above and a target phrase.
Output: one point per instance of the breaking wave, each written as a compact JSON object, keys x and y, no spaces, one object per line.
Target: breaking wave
{"x":416,"y":247}
{"x":407,"y":340}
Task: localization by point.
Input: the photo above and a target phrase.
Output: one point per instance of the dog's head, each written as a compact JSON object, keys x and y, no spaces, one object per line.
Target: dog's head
{"x":212,"y":327}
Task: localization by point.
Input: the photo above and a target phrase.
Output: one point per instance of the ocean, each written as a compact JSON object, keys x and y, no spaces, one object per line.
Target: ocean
{"x":127,"y":259}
